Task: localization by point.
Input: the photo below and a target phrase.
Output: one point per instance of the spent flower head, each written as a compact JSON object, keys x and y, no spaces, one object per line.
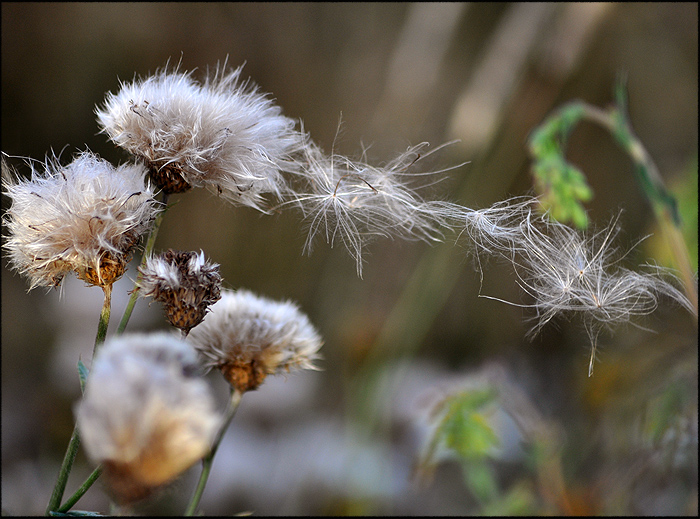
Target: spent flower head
{"x":249,"y":337}
{"x":85,"y":217}
{"x":184,"y":282}
{"x":222,"y":134}
{"x":146,"y":416}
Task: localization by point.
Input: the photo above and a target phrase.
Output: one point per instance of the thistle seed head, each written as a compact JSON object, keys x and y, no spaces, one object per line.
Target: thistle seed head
{"x":249,"y":337}
{"x":145,"y":415}
{"x":86,"y":217}
{"x":221,"y":134}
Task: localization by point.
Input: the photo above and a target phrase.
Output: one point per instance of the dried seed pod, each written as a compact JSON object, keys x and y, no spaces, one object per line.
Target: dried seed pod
{"x":185,"y":283}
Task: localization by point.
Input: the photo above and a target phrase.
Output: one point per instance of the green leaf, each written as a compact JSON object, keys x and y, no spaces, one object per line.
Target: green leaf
{"x":82,"y":373}
{"x":561,"y":185}
{"x":481,"y":480}
{"x":684,"y":186}
{"x":464,"y":429}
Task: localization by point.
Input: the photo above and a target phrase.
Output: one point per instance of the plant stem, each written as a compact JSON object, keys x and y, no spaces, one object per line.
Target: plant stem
{"x":81,"y":491}
{"x":74,"y":443}
{"x":208,"y":460}
{"x":663,"y":203}
{"x":64,"y":472}
{"x":103,"y":323}
{"x":150,"y":244}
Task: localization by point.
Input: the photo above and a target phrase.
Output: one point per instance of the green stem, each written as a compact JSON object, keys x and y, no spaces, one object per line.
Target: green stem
{"x":74,"y":443}
{"x":64,"y":472}
{"x":150,"y":244}
{"x":208,"y":460}
{"x":81,"y":491}
{"x":103,"y":323}
{"x":662,"y":201}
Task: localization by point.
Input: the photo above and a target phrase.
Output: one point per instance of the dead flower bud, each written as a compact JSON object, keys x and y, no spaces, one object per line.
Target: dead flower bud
{"x":249,"y":337}
{"x":184,"y":282}
{"x":145,"y":415}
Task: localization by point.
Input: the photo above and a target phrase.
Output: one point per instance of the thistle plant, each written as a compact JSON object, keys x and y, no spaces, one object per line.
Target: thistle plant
{"x":147,"y":415}
{"x":248,"y":338}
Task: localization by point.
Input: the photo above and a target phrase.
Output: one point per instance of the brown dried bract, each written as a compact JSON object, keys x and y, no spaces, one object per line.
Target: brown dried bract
{"x":107,"y":272}
{"x":186,"y":305}
{"x":244,"y":375}
{"x":169,"y":178}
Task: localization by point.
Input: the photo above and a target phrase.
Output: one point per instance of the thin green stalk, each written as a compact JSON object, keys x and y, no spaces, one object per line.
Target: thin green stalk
{"x":150,"y":244}
{"x":72,"y":450}
{"x":208,"y":460}
{"x":81,"y":491}
{"x":64,"y":472}
{"x":103,"y":323}
{"x":662,"y":201}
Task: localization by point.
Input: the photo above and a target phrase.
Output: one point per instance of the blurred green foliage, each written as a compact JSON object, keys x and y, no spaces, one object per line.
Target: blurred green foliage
{"x":685,"y":188}
{"x":562,"y":186}
{"x":465,"y":432}
{"x":464,"y":428}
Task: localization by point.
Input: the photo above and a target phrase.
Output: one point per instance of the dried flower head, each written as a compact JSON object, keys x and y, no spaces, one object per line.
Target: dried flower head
{"x":222,"y":134}
{"x":184,"y":282}
{"x":145,"y":415}
{"x":85,"y":217}
{"x":249,"y":337}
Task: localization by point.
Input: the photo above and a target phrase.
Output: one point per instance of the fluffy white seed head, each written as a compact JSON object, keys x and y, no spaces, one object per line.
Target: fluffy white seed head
{"x":222,"y":134}
{"x":145,"y":415}
{"x":249,"y":337}
{"x":184,"y":282}
{"x":85,"y":217}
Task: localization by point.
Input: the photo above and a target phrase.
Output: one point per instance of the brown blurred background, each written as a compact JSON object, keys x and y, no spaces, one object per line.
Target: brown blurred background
{"x":399,"y":74}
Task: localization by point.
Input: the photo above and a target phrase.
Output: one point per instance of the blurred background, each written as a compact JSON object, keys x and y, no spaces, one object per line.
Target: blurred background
{"x":354,"y":438}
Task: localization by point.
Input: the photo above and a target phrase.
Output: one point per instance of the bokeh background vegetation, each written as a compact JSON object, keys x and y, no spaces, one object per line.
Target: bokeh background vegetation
{"x":356,"y":437}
